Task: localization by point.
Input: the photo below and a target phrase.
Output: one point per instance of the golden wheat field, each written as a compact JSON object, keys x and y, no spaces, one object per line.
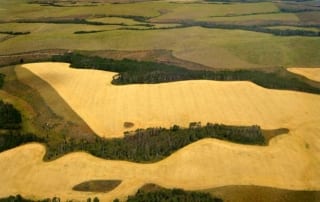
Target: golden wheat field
{"x":310,"y":73}
{"x":105,"y":107}
{"x":205,"y":164}
{"x":291,"y":161}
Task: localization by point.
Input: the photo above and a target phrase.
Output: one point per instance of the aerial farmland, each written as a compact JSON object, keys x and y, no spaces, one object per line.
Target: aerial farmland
{"x":135,"y":100}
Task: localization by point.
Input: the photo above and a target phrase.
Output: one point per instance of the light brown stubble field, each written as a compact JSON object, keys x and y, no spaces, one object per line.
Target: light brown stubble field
{"x":291,"y":161}
{"x":310,"y":73}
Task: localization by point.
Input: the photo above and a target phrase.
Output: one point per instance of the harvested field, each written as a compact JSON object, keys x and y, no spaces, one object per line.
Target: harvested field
{"x":108,"y":107}
{"x":290,"y":161}
{"x":287,"y":163}
{"x":310,"y":73}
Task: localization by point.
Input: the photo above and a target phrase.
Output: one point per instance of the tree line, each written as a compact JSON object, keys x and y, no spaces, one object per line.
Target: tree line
{"x":142,"y":72}
{"x":153,"y":144}
{"x":14,"y":33}
{"x":19,"y":198}
{"x":171,"y":195}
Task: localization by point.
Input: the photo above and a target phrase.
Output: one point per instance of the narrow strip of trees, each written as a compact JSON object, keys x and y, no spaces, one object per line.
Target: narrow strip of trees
{"x":154,"y":144}
{"x":14,"y":33}
{"x":169,"y":195}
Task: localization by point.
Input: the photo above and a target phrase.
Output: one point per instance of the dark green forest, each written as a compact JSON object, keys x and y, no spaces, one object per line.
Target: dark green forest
{"x":142,"y":72}
{"x":13,"y":139}
{"x":1,"y":80}
{"x":10,"y":117}
{"x":172,"y":195}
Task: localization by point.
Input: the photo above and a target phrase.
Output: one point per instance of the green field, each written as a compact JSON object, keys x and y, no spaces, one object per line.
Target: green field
{"x":215,"y":48}
{"x":257,"y":17}
{"x":125,"y":27}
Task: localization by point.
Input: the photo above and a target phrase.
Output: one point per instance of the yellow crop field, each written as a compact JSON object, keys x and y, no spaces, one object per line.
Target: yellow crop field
{"x":81,"y":132}
{"x":310,"y":73}
{"x":106,"y":107}
{"x":204,"y":164}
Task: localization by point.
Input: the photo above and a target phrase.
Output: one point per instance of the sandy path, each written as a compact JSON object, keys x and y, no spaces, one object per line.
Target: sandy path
{"x":310,"y":73}
{"x":291,"y":161}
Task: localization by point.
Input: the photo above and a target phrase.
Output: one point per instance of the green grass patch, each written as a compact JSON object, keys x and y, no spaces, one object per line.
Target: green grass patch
{"x":214,"y":48}
{"x":273,"y":16}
